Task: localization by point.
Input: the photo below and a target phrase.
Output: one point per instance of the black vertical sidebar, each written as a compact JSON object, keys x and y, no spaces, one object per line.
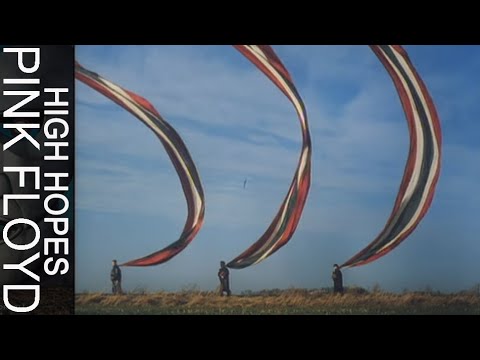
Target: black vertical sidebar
{"x":37,"y":179}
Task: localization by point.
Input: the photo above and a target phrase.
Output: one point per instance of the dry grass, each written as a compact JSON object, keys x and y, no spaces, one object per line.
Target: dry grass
{"x":280,"y":302}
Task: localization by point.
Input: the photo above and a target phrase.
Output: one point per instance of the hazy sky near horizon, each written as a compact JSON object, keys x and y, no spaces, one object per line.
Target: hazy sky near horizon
{"x":237,"y":125}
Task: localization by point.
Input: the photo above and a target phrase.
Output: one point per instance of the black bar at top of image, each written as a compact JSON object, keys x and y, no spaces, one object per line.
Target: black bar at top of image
{"x":36,"y":179}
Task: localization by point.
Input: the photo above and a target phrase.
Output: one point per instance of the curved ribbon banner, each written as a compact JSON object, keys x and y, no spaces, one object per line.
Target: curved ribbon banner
{"x":285,"y":223}
{"x":176,"y":150}
{"x":424,"y":161}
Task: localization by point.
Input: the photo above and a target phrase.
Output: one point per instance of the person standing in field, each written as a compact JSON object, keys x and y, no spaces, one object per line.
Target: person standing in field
{"x":116,"y":277}
{"x":224,"y":277}
{"x":337,"y":278}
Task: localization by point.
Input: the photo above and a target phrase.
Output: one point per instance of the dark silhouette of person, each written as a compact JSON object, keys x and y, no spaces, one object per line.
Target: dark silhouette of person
{"x":224,"y":277}
{"x":116,"y":277}
{"x":337,"y":278}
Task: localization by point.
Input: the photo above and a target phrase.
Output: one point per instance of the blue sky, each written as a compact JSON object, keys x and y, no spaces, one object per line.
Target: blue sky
{"x":237,"y":125}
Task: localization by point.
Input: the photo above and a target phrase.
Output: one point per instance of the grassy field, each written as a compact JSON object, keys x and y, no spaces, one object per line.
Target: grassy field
{"x":277,"y":302}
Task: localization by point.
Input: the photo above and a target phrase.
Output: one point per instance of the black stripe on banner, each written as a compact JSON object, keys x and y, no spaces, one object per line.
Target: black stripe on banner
{"x":407,"y":213}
